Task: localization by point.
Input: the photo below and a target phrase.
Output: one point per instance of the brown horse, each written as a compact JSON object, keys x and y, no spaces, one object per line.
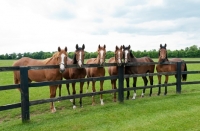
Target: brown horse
{"x":168,"y":67}
{"x":97,"y":71}
{"x":113,"y":70}
{"x":75,"y":73}
{"x":59,"y":58}
{"x":137,"y":69}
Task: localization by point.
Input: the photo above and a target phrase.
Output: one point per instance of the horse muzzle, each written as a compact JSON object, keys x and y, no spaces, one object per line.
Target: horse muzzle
{"x":62,"y":67}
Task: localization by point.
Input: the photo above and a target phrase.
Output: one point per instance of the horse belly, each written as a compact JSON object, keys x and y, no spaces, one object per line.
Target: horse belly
{"x":36,"y":75}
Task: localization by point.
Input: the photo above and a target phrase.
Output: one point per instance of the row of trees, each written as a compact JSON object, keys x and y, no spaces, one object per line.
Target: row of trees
{"x":188,"y":52}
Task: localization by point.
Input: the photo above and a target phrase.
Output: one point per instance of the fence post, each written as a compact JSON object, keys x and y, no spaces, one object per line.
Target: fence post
{"x":121,"y":83}
{"x":178,"y":77}
{"x":24,"y":94}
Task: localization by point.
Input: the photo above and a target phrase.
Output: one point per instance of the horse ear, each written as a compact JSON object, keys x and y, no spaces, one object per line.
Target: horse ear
{"x":123,"y":46}
{"x":129,"y":47}
{"x":83,"y":46}
{"x":99,"y":45}
{"x":104,"y":46}
{"x":66,"y":49}
{"x":76,"y":46}
{"x":120,"y":47}
{"x":160,"y":45}
{"x":59,"y":49}
{"x":165,"y":45}
{"x":116,"y":48}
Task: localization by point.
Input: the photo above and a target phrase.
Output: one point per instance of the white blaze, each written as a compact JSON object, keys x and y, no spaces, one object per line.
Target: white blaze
{"x":62,"y":64}
{"x":79,"y":61}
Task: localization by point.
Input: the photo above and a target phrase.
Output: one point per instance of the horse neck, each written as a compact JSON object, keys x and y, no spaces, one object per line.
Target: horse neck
{"x":133,"y":59}
{"x":97,"y":60}
{"x":50,"y":61}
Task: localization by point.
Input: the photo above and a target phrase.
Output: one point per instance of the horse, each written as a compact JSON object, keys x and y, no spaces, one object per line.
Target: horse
{"x":137,"y":69}
{"x":168,"y":67}
{"x":97,"y":71}
{"x":113,"y":70}
{"x":75,"y":73}
{"x":58,"y":58}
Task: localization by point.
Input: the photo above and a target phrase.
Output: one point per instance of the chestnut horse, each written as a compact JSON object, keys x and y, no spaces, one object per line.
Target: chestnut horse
{"x":75,"y":73}
{"x":137,"y":69}
{"x":97,"y":71}
{"x":168,"y":67}
{"x":113,"y":70}
{"x":58,"y":58}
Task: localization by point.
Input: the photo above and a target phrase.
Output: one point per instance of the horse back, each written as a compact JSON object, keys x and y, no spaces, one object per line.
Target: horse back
{"x":145,"y":68}
{"x":94,"y":71}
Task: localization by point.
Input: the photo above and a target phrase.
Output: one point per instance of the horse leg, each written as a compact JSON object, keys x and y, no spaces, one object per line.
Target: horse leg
{"x":101,"y":95}
{"x":59,"y":87}
{"x":81,"y":91}
{"x":151,"y":83}
{"x":74,"y":92}
{"x":52,"y":95}
{"x":159,"y":82}
{"x":145,"y":84}
{"x":88,"y":83}
{"x":166,"y":81}
{"x":127,"y":85}
{"x":68,"y":91}
{"x":114,"y":87}
{"x":134,"y":86}
{"x":94,"y":90}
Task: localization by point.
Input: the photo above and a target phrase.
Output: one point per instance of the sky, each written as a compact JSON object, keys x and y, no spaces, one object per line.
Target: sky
{"x":45,"y":25}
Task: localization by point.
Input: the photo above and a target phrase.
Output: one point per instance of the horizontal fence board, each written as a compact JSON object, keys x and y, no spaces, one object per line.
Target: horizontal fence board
{"x":11,"y":68}
{"x":10,"y":106}
{"x":8,"y":87}
{"x":36,"y":102}
{"x":46,"y":83}
{"x":148,"y":86}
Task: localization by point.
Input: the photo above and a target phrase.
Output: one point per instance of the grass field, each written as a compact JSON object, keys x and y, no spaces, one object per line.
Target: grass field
{"x":171,"y":112}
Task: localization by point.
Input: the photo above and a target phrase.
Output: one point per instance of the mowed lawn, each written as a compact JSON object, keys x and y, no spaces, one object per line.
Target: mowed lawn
{"x":172,"y":112}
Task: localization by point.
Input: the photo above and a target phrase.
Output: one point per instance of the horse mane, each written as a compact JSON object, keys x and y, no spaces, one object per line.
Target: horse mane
{"x":74,"y":59}
{"x":46,"y":61}
{"x":131,"y":54}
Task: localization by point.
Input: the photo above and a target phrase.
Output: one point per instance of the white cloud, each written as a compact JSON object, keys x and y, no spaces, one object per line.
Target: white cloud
{"x":29,"y":26}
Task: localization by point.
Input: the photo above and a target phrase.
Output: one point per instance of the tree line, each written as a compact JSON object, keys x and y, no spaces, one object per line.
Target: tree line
{"x":188,"y":52}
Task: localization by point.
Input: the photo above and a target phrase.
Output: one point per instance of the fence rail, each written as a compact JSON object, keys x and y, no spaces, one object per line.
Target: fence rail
{"x":24,"y":85}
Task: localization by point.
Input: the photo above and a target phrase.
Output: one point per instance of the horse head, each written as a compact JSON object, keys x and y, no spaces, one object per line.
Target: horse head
{"x":163,"y":53}
{"x":61,"y":57}
{"x":126,"y":53}
{"x":101,"y":54}
{"x":118,"y":55}
{"x":79,"y":55}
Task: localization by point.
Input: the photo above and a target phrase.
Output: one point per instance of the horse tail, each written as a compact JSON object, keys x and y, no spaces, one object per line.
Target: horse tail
{"x":184,"y":76}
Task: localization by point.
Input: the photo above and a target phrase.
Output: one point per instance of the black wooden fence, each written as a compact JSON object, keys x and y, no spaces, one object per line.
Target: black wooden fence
{"x":25,"y":103}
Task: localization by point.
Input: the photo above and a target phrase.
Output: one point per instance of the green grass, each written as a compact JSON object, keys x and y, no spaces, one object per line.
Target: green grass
{"x":171,"y":112}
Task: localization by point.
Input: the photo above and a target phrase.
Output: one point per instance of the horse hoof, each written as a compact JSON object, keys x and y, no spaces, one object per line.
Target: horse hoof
{"x":74,"y":107}
{"x":53,"y":110}
{"x":114,"y":100}
{"x":71,"y":100}
{"x":133,"y":98}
